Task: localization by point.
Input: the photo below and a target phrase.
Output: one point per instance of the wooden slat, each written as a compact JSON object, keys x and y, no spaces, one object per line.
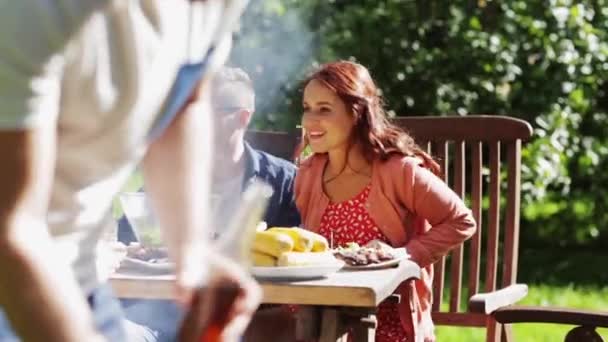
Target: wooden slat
{"x":362,"y":328}
{"x":546,"y":314}
{"x":307,"y":326}
{"x":459,"y":168}
{"x":512,"y":218}
{"x":441,"y":149}
{"x":459,"y":319}
{"x":476,"y":202}
{"x":493,"y":330}
{"x":494,"y":217}
{"x":456,"y":258}
{"x":442,"y":152}
{"x":427,"y":146}
{"x":331,"y":327}
{"x":507,"y":333}
{"x":487,"y":128}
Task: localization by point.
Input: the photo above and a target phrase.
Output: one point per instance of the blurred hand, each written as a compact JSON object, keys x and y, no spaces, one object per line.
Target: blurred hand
{"x":222,"y":309}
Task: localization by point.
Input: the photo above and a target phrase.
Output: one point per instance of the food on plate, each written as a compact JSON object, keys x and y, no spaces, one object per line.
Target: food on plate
{"x":272,"y":243}
{"x":379,"y":245}
{"x":263,"y":260}
{"x":147,"y":253}
{"x":279,"y":246}
{"x":319,"y":243}
{"x":374,"y":252}
{"x":306,"y":259}
{"x":302,"y":239}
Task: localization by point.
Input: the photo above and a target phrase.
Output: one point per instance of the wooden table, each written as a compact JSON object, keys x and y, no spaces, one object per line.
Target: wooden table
{"x":343,"y":300}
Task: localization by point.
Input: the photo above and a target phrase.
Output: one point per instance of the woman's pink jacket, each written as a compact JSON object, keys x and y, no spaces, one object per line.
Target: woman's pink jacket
{"x":414,"y":209}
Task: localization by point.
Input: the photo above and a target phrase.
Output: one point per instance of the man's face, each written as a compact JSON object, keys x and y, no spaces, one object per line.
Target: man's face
{"x":228,"y":122}
{"x":231,"y":113}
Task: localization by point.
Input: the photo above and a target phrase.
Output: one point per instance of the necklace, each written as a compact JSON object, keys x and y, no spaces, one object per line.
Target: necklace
{"x":357,"y":172}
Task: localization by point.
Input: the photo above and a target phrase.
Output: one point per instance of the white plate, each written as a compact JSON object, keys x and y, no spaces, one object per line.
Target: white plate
{"x":400,"y":254}
{"x":136,"y":266}
{"x":297,"y":272}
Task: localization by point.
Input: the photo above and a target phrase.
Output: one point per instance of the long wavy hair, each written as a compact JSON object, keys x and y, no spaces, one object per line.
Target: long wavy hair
{"x":378,"y":137}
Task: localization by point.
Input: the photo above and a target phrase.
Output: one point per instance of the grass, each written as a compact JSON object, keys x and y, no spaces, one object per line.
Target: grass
{"x":550,"y":277}
{"x":584,"y":297}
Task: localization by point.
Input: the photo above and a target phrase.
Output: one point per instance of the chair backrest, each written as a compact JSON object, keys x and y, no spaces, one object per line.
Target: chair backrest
{"x":279,"y":144}
{"x":466,"y":147}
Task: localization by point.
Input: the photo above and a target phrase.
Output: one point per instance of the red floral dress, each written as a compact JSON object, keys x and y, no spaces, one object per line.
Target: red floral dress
{"x":350,"y":222}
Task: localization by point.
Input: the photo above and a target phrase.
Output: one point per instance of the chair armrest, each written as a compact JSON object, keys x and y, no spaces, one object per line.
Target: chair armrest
{"x":489,"y":302}
{"x":537,"y":314}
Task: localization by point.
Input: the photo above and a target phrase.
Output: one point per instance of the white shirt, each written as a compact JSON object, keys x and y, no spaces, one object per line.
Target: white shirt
{"x":101,"y":71}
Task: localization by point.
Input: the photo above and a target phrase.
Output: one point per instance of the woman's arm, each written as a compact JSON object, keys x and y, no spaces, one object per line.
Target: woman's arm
{"x":431,"y":199}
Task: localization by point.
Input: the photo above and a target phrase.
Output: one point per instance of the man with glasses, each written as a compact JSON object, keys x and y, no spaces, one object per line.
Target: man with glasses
{"x":235,"y":165}
{"x":89,"y":88}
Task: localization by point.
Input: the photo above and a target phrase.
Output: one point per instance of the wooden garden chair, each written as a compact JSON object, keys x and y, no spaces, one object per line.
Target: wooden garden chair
{"x":463,"y":146}
{"x":485,"y":137}
{"x":584,"y":321}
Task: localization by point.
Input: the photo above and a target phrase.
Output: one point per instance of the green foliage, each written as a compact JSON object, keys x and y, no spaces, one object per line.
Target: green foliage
{"x":543,"y":61}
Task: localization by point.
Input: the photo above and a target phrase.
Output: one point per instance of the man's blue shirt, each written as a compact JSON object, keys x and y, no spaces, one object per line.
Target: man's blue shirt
{"x":280,"y":175}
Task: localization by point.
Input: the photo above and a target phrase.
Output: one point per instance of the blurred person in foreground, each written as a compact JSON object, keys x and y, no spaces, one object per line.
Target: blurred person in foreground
{"x":235,"y":165}
{"x":89,"y":89}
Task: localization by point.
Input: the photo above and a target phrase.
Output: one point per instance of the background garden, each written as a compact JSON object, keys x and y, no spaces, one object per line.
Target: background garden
{"x":541,"y":61}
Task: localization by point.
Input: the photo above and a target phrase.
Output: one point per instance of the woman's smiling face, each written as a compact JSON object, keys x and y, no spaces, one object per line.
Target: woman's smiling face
{"x":326,"y":121}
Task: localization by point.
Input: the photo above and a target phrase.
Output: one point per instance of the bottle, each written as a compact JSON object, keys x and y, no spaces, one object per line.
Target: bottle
{"x":237,"y":244}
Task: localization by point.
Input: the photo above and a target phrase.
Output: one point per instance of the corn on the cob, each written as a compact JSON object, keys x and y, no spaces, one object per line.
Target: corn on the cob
{"x":272,"y":243}
{"x":264,"y":260}
{"x":305,"y":259}
{"x":319,"y":243}
{"x":302,"y":239}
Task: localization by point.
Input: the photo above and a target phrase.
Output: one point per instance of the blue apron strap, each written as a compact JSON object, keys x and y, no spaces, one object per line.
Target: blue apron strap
{"x":188,"y":78}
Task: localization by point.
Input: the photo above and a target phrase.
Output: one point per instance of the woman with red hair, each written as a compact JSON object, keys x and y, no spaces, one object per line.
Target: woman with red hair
{"x":367,"y":180}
